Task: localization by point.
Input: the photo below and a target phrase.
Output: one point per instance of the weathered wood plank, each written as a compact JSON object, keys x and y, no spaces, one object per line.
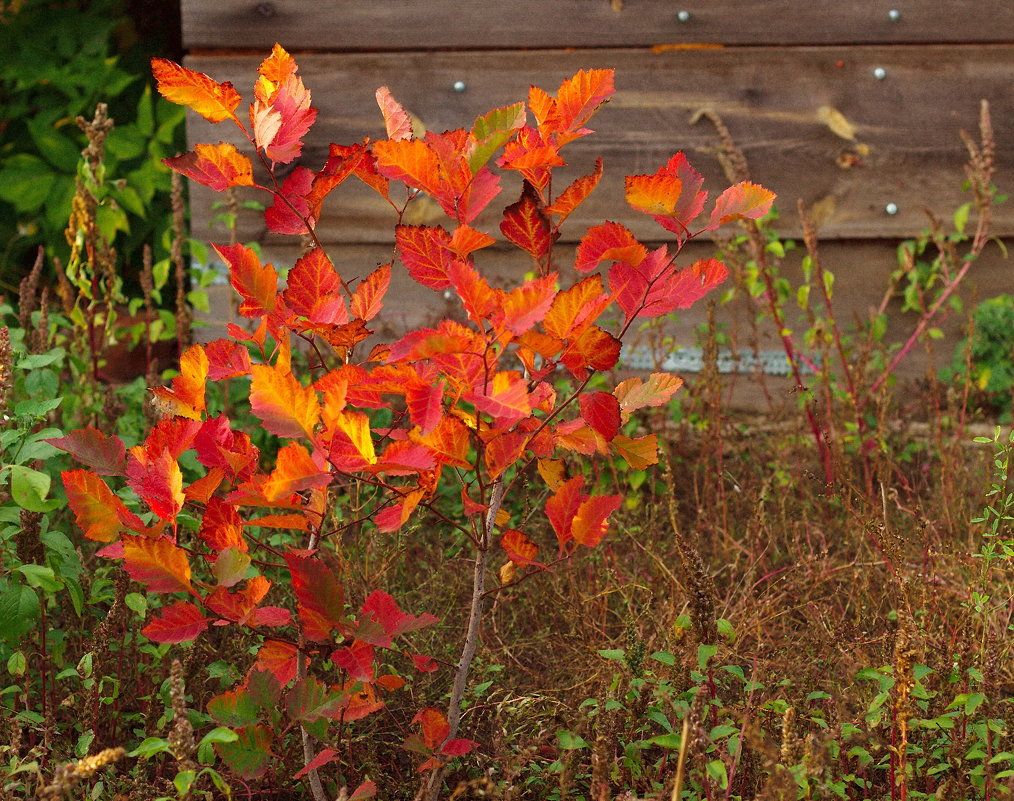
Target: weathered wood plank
{"x":861,"y":273}
{"x":776,"y":103}
{"x":475,"y":24}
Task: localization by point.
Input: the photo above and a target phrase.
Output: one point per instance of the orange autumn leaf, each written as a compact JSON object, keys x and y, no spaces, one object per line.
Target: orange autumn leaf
{"x":581,"y":96}
{"x":653,"y":194}
{"x":526,"y":225}
{"x":186,"y":397}
{"x":256,"y":283}
{"x":636,"y":393}
{"x":639,"y":453}
{"x":368,"y":298}
{"x":217,"y":167}
{"x":295,"y":470}
{"x":575,"y":194}
{"x":158,"y":563}
{"x":743,"y":200}
{"x":221,"y":526}
{"x":527,"y":304}
{"x":97,"y":511}
{"x":351,"y":442}
{"x":574,"y":307}
{"x":212,"y":100}
{"x":519,"y":549}
{"x":157,"y":480}
{"x":314,"y":289}
{"x":287,"y":408}
{"x":426,"y":253}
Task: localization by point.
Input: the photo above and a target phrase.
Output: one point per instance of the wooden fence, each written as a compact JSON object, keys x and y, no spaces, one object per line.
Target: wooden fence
{"x":853,"y":107}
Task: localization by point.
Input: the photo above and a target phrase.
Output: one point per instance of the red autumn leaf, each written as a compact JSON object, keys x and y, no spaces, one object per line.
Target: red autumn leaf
{"x":589,"y":525}
{"x":690,"y":203}
{"x":364,"y":791}
{"x":635,"y":393}
{"x":743,"y":200}
{"x":173,"y":434}
{"x":345,"y":336}
{"x":478,"y":191}
{"x":423,"y":663}
{"x":221,"y":526}
{"x":396,"y":119}
{"x":356,"y":660}
{"x":519,"y":549}
{"x":158,"y":563}
{"x":99,"y":513}
{"x":309,"y":699}
{"x":314,"y":288}
{"x":532,"y":156}
{"x":290,"y":102}
{"x":257,"y":284}
{"x":434,"y":725}
{"x":368,"y":298}
{"x":425,"y":405}
{"x":104,"y":455}
{"x":601,"y":411}
{"x":157,"y":481}
{"x":503,"y":451}
{"x":287,"y":408}
{"x":361,"y":701}
{"x":212,"y":100}
{"x":278,"y":659}
{"x":351,"y":442}
{"x":577,"y":516}
{"x":217,"y":167}
{"x":527,"y":226}
{"x":319,"y":595}
{"x":343,"y":161}
{"x":477,"y":297}
{"x":381,"y":620}
{"x":694,"y":282}
{"x":426,"y":253}
{"x":505,"y":398}
{"x":186,"y":397}
{"x":639,"y":453}
{"x":290,"y":210}
{"x":226,"y":359}
{"x":593,"y":348}
{"x":575,"y":194}
{"x":217,"y":445}
{"x":527,"y":304}
{"x":181,"y":622}
{"x":396,"y":515}
{"x":608,"y":242}
{"x":325,"y":757}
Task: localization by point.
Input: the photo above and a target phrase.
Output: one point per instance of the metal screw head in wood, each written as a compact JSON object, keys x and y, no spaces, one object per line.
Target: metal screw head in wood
{"x":891,"y":209}
{"x":894,"y":15}
{"x":459,"y":86}
{"x":683,"y":16}
{"x":879,"y":73}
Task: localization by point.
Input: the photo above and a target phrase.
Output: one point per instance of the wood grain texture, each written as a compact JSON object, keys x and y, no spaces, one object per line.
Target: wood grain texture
{"x":473,"y":24}
{"x":776,"y":103}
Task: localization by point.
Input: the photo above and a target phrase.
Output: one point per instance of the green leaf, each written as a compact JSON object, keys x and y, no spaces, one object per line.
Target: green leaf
{"x":704,"y":655}
{"x":667,"y":740}
{"x":41,"y":577}
{"x":716,"y":770}
{"x":568,"y":741}
{"x":35,"y":360}
{"x":231,"y":566}
{"x":33,"y":408}
{"x":233,"y":708}
{"x":25,"y":182}
{"x":664,"y":657}
{"x":183,"y":781}
{"x":17,"y":664}
{"x":56,"y":148}
{"x":221,"y":734}
{"x":250,"y":755}
{"x":29,"y":489}
{"x":151,"y":746}
{"x":611,"y":653}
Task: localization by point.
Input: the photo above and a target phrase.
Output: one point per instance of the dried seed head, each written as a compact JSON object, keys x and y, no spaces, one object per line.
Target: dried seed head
{"x":71,"y":773}
{"x":6,"y":367}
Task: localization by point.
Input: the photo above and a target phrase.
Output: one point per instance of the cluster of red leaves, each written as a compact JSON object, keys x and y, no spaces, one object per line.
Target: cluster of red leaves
{"x":478,"y":398}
